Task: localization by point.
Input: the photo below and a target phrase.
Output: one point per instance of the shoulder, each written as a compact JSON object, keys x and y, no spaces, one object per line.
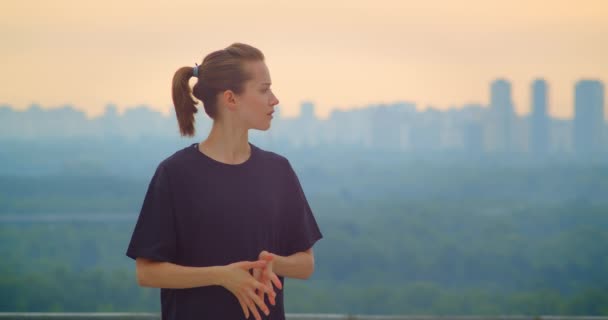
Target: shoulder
{"x":277,"y":165}
{"x":179,"y":159}
{"x":272,"y":158}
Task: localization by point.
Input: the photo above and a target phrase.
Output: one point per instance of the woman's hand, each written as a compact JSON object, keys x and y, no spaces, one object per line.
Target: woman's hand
{"x":267,"y":276}
{"x":237,"y":279}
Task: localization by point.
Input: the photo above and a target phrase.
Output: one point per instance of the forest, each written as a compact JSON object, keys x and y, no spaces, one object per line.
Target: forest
{"x":400,"y":237}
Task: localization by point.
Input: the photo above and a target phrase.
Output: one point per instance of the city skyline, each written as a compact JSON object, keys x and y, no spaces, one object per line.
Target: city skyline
{"x":472,"y":129}
{"x":309,"y":106}
{"x":435,"y":53}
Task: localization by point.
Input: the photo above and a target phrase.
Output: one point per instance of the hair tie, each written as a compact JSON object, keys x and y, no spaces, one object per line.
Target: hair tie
{"x":195,"y":70}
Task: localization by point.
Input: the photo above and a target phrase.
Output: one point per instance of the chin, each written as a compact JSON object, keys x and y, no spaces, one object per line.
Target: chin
{"x":262,"y":127}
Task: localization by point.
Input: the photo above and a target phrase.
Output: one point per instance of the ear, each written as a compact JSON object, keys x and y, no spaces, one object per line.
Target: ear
{"x":230,"y":99}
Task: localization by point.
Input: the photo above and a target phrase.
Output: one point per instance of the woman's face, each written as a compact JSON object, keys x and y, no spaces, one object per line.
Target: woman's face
{"x":257,"y":101}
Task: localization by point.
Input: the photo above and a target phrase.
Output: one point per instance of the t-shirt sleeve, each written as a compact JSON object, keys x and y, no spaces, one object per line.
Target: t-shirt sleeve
{"x":300,"y":229}
{"x":154,"y":236}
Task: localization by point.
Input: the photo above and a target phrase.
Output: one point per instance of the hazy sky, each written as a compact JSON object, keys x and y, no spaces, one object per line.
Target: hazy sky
{"x":339,"y":54}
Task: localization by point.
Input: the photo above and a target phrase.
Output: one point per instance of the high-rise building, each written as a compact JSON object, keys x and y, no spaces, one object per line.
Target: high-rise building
{"x":501,"y":109}
{"x":306,"y":125}
{"x":386,"y":127}
{"x":588,"y":126}
{"x":539,"y":121}
{"x":307,"y":111}
{"x":472,"y":137}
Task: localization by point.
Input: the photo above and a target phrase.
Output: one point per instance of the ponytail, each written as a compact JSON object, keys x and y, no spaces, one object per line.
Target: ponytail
{"x":183,"y":101}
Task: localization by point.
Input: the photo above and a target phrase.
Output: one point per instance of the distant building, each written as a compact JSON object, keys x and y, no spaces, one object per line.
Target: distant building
{"x":386,"y":128}
{"x":470,"y":118}
{"x":501,"y":116}
{"x":306,"y":126}
{"x":307,"y":111}
{"x":425,"y":132}
{"x":539,"y":120}
{"x":588,"y":126}
{"x":472,"y":137}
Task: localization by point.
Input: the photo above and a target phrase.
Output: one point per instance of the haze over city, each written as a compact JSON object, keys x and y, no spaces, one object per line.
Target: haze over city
{"x":338,"y":55}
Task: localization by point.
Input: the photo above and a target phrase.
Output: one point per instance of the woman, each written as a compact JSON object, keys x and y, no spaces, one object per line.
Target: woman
{"x":223,"y":221}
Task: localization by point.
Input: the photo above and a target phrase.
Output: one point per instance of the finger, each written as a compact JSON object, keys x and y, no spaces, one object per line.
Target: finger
{"x":264,"y":280}
{"x":259,"y":302}
{"x":257,"y":273}
{"x":268,"y":284}
{"x":266,"y":287}
{"x":253,"y":309}
{"x":261,"y":292}
{"x":261,"y":285}
{"x":253,"y":264}
{"x":243,"y":306}
{"x":271,"y":296}
{"x":276,"y":281}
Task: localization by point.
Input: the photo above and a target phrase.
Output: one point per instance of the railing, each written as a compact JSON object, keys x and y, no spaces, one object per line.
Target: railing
{"x":292,"y":316}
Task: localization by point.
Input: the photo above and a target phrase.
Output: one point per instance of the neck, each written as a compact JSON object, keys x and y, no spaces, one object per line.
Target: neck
{"x":227,"y":143}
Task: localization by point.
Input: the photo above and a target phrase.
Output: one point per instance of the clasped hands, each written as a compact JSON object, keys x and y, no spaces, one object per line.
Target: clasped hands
{"x":250,"y":281}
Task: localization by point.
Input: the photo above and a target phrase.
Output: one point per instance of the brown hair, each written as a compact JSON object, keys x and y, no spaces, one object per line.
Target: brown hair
{"x":221,"y":70}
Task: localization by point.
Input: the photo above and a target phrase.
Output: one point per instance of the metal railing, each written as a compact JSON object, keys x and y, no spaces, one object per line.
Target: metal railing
{"x":289,"y":316}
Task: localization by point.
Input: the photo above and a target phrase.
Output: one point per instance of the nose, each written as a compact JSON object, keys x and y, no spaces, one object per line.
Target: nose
{"x":274,"y":101}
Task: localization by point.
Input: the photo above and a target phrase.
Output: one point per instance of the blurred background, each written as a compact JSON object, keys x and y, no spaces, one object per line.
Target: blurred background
{"x":455,"y":153}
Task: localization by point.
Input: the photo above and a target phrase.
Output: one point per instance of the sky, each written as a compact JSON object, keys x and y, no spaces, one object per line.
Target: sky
{"x":337,"y":54}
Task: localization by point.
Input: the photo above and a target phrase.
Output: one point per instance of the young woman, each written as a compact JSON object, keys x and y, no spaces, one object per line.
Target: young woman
{"x":224,"y":221}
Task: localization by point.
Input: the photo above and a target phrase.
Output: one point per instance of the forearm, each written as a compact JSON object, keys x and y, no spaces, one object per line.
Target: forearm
{"x":170,"y":275}
{"x":299,"y":265}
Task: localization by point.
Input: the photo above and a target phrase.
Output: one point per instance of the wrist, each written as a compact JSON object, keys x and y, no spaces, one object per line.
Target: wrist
{"x":277,"y":263}
{"x":274,"y":256}
{"x":265,"y":254}
{"x":218,"y":274}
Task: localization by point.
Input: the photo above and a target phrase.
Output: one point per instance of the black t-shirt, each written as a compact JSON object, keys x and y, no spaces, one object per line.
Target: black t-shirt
{"x":200,"y":212}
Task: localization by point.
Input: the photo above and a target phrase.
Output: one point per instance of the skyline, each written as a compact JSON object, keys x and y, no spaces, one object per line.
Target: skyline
{"x":472,"y":130}
{"x":488,"y":104}
{"x":432,"y":53}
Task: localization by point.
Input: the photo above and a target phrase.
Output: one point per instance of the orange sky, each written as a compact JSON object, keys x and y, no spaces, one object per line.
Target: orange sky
{"x":339,"y":54}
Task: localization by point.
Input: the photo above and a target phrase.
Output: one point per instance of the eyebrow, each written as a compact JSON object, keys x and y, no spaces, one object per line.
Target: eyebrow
{"x":266,"y":83}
